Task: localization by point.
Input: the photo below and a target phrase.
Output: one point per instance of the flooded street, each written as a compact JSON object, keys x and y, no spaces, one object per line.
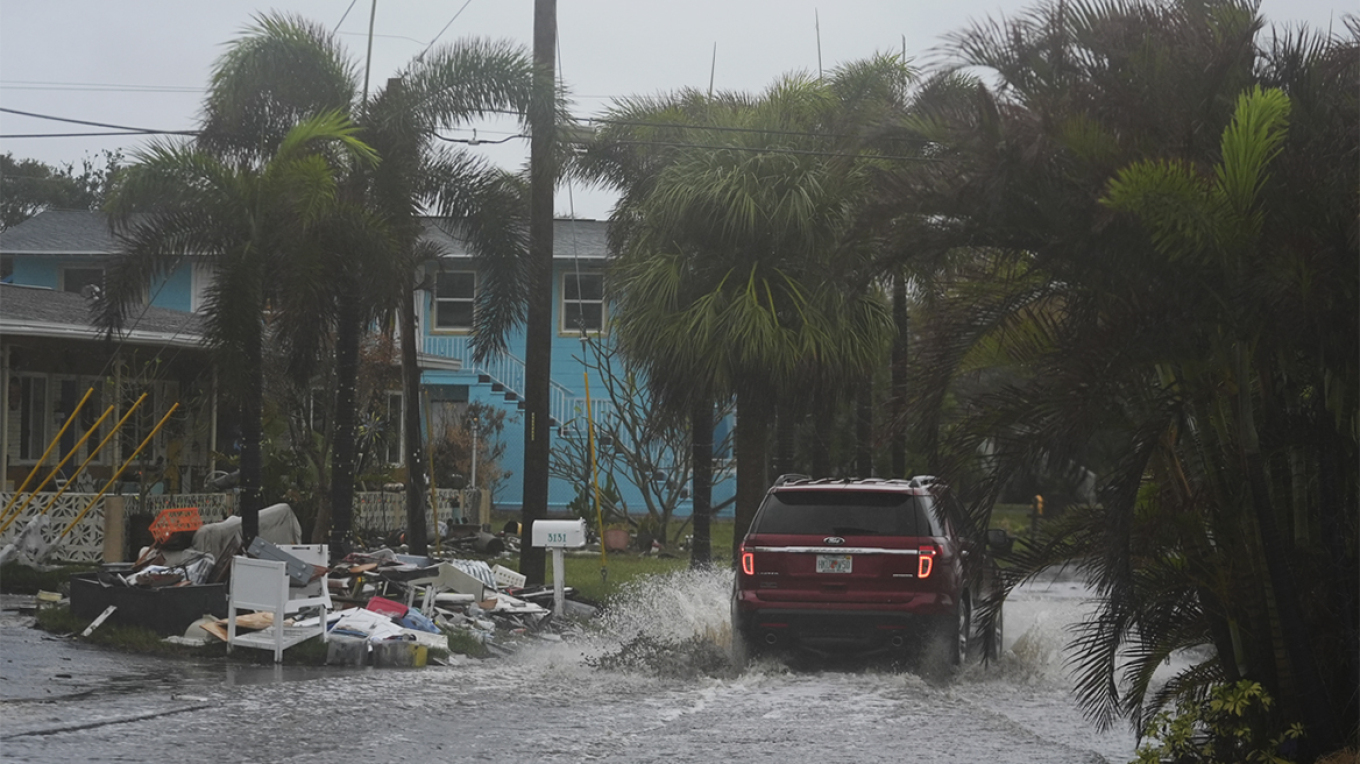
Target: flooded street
{"x":64,"y":702}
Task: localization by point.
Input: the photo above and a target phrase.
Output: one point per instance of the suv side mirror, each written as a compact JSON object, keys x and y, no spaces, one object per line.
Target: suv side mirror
{"x":999,"y":542}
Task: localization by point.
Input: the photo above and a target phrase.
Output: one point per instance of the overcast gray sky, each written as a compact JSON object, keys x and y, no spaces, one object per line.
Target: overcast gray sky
{"x":144,"y":63}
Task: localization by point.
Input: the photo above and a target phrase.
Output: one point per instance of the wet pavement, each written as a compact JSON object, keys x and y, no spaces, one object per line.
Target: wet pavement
{"x":61,"y":701}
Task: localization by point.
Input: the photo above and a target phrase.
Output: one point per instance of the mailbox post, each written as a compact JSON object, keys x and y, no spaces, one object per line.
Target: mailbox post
{"x":558,"y":535}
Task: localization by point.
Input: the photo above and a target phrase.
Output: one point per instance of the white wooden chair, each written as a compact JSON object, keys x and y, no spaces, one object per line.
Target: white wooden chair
{"x":262,"y":585}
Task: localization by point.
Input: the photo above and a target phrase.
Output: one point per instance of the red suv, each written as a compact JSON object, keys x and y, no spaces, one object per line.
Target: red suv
{"x":856,"y":566}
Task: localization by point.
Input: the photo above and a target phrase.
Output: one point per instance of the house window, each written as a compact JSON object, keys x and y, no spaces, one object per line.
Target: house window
{"x":582,"y":302}
{"x":200,"y":279}
{"x":454,"y":297}
{"x":28,"y":417}
{"x":76,"y":279}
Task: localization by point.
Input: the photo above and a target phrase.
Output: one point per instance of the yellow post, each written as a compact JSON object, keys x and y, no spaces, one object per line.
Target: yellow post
{"x":92,"y":455}
{"x":595,"y":478}
{"x":120,"y":471}
{"x":46,"y":453}
{"x":57,"y":469}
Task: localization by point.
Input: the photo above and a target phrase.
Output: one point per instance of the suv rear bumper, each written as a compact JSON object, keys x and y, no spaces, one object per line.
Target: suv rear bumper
{"x":839,"y":627}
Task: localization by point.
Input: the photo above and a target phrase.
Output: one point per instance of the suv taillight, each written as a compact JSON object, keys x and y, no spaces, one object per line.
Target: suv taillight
{"x":925,"y":560}
{"x":748,"y":561}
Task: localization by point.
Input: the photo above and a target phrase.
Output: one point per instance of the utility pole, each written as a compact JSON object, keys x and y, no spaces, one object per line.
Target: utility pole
{"x":538,"y":328}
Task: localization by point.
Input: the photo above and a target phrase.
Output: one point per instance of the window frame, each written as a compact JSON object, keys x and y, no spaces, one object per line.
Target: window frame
{"x":470,"y":301}
{"x":563,"y":302}
{"x":43,"y":417}
{"x":69,"y":269}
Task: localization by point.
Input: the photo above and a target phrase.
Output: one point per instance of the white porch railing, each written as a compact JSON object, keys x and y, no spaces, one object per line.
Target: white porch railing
{"x":505,"y":370}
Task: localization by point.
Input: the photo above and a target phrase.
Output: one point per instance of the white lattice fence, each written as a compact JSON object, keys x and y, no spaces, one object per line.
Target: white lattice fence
{"x":85,"y":542}
{"x":212,"y":507}
{"x":386,"y":511}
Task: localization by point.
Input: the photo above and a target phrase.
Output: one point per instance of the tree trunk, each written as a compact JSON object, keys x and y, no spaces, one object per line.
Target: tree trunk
{"x":900,"y":348}
{"x":252,"y":433}
{"x":784,"y":424}
{"x":753,"y":425}
{"x":1308,"y":692}
{"x":701,"y":463}
{"x":347,"y":330}
{"x":864,"y":429}
{"x":823,"y":420}
{"x":538,"y":324}
{"x":415,"y":452}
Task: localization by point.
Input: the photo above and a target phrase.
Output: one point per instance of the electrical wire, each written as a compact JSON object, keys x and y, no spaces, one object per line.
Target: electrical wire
{"x":98,"y":87}
{"x":132,"y":130}
{"x":345,"y":16}
{"x":767,"y":150}
{"x":82,"y":135}
{"x":442,"y":31}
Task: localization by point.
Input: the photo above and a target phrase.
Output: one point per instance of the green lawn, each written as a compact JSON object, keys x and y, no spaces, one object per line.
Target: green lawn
{"x":582,"y":569}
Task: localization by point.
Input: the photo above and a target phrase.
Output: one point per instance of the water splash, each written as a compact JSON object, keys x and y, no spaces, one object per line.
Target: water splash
{"x":673,"y":625}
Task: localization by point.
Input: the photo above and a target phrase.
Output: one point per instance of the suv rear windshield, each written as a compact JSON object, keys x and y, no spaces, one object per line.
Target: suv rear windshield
{"x":846,"y":513}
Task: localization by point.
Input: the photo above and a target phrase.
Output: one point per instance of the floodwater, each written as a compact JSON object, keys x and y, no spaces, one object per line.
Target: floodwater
{"x":651,"y":687}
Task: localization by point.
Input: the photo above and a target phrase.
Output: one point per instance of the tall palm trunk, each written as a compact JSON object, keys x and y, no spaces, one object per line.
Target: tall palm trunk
{"x":864,"y":428}
{"x":348,"y":324}
{"x":752,"y":436}
{"x":900,"y":348}
{"x":252,"y":433}
{"x":415,"y":453}
{"x":1308,"y":690}
{"x":701,"y":458}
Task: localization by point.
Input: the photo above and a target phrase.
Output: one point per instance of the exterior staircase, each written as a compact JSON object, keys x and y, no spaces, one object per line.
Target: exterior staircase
{"x":505,"y":375}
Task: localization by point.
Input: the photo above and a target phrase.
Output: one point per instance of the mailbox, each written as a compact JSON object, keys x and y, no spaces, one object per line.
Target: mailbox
{"x":560,"y":534}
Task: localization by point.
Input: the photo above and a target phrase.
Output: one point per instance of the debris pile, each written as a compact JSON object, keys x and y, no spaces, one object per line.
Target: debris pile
{"x":489,"y":603}
{"x":195,"y":585}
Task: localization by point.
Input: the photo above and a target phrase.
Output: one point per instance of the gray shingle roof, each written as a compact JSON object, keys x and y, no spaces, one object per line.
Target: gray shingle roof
{"x":36,"y":311}
{"x":584,"y":239}
{"x":59,"y":232}
{"x":72,"y":232}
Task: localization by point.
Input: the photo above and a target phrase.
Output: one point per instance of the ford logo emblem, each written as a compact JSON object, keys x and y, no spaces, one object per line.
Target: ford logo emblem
{"x":833,"y":540}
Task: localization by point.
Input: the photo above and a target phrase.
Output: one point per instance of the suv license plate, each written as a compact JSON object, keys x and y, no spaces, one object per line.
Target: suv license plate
{"x":833,"y":563}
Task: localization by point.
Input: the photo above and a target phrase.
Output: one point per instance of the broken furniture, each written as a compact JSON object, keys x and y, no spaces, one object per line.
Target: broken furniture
{"x":444,"y":578}
{"x":263,"y":585}
{"x":167,"y":610}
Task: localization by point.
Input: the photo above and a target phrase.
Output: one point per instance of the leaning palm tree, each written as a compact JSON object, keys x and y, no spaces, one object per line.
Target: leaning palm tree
{"x":259,"y":222}
{"x":251,"y":103}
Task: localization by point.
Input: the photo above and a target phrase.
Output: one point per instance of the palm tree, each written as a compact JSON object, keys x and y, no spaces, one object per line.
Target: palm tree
{"x":1162,"y":350}
{"x":259,"y":222}
{"x":249,"y":106}
{"x":737,"y":273}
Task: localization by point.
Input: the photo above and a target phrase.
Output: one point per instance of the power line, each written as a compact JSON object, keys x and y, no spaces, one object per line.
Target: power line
{"x":766,"y":150}
{"x":97,"y":87}
{"x":131,"y":130}
{"x":15,"y":136}
{"x":445,"y":29}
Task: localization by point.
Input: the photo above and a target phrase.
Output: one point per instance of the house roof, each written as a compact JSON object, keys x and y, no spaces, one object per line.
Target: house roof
{"x":27,"y":311}
{"x":572,"y":239}
{"x":81,"y":232}
{"x":64,"y":232}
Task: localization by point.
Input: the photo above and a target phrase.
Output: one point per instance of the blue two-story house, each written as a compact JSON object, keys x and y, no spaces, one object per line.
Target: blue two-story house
{"x":66,"y":251}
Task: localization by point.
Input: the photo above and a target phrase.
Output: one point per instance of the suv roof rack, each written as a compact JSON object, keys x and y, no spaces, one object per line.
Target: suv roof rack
{"x":791,"y":478}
